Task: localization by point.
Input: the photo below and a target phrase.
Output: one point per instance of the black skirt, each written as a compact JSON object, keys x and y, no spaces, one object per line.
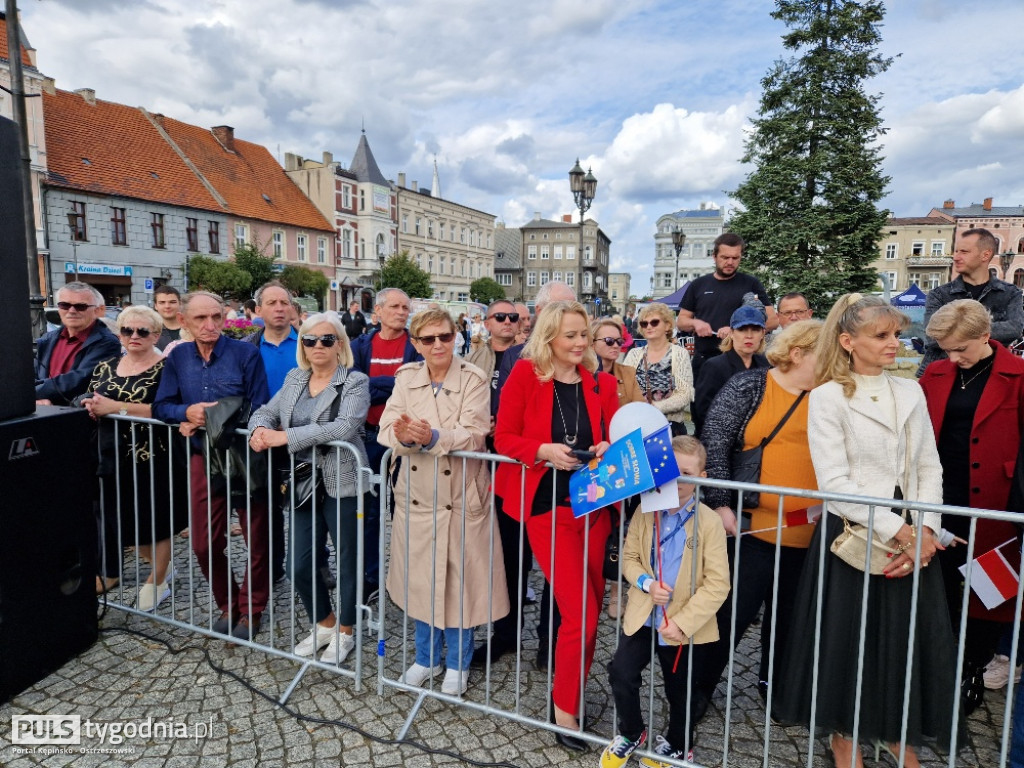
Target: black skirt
{"x":887,"y":651}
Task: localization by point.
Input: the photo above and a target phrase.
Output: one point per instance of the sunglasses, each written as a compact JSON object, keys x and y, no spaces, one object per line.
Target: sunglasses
{"x":128,"y":332}
{"x":80,"y":307}
{"x":328,"y":340}
{"x":444,"y":338}
{"x":609,"y":340}
{"x":653,"y":323}
{"x":513,"y":317}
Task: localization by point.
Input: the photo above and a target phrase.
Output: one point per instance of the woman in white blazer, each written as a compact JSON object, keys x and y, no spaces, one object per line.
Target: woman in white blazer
{"x":870,"y":435}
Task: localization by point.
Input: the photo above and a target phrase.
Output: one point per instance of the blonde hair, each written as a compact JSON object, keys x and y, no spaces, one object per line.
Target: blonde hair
{"x":344,"y":348}
{"x":428,"y":317}
{"x":852,"y":314}
{"x":803,"y":334}
{"x":151,"y":316}
{"x":688,"y":445}
{"x":965,"y":319}
{"x":546,"y":326}
{"x":661,"y":310}
{"x":601,"y":322}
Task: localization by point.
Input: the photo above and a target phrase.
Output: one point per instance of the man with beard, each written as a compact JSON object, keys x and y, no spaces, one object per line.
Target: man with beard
{"x":710,"y":300}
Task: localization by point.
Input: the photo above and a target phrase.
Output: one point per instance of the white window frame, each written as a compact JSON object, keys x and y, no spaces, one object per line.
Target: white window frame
{"x":938,"y":248}
{"x":504,"y":278}
{"x":241,"y":235}
{"x":277,"y":238}
{"x":892,"y":250}
{"x":545,"y":253}
{"x":545,"y":277}
{"x":531,"y":279}
{"x":570,"y":279}
{"x":531,"y":252}
{"x":321,"y":250}
{"x":300,"y":247}
{"x":346,"y":196}
{"x":570,"y":253}
{"x":558,"y":252}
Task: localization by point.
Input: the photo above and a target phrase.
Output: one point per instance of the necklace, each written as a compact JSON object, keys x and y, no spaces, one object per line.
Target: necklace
{"x":570,"y":438}
{"x":982,"y":369}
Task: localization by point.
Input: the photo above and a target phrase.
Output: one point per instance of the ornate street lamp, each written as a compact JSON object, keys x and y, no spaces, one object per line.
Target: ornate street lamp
{"x":584,"y":188}
{"x":73,"y":226}
{"x":678,"y":241}
{"x":1006,"y":261}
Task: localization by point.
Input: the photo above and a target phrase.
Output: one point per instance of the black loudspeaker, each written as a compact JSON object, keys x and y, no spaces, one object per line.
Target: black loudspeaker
{"x":19,"y":395}
{"x":47,"y":544}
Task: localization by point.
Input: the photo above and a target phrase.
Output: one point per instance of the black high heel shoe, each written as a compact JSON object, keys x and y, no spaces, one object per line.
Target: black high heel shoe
{"x":569,"y":742}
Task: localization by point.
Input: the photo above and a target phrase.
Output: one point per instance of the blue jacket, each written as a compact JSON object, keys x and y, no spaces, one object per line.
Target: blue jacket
{"x":99,"y":345}
{"x":381,"y":387}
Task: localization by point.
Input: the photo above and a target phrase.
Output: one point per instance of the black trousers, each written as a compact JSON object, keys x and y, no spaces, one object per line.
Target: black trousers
{"x":517,"y":569}
{"x":626,"y":674}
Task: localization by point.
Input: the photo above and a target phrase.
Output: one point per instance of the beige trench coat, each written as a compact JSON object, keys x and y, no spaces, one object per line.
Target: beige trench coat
{"x":461,"y":413}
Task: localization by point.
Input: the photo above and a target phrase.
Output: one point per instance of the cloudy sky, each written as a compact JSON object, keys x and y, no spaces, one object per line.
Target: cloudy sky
{"x":655,"y":95}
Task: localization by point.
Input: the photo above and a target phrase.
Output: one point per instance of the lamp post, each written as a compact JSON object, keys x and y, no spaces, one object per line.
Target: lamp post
{"x":73,"y":226}
{"x":678,"y":241}
{"x":584,"y":188}
{"x":1006,"y":261}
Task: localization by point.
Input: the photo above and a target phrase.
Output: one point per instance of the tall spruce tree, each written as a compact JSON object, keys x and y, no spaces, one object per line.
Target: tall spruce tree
{"x":810,"y":210}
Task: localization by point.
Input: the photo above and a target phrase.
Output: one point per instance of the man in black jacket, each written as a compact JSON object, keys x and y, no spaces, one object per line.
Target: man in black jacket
{"x":354,"y":321}
{"x":66,"y":357}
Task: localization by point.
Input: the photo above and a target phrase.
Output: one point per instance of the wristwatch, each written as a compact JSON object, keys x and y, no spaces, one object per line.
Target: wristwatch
{"x":124,"y":410}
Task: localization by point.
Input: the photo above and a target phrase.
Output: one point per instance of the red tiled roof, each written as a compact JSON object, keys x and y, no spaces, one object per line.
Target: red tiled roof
{"x":246,"y":178}
{"x":5,"y":52}
{"x":111,"y":149}
{"x":925,"y":221}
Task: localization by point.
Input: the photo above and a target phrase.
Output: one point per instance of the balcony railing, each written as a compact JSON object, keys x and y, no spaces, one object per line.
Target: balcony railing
{"x":929,"y":261}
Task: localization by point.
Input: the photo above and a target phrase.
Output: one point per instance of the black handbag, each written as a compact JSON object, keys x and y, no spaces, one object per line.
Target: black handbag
{"x":300,"y":481}
{"x":611,"y":569}
{"x":746,"y":465}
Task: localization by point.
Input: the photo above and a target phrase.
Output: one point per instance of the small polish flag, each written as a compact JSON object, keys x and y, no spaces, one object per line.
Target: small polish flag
{"x":805,"y":516}
{"x":993,"y":579}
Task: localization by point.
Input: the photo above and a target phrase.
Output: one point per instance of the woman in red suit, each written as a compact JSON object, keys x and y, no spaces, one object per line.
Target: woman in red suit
{"x":554,"y":402}
{"x":976,"y":403}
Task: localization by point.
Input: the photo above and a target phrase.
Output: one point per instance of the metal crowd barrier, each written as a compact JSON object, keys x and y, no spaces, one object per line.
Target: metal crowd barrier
{"x":510,"y":687}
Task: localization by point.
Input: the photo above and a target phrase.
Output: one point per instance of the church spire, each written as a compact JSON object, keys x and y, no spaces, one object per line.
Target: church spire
{"x":435,"y":187}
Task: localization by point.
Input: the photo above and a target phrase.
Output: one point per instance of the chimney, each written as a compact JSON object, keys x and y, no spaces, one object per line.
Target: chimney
{"x":88,"y":95}
{"x":987,"y":205}
{"x":567,"y":218}
{"x":401,"y":180}
{"x":415,"y":186}
{"x":292,"y":162}
{"x":949,"y":204}
{"x":225,"y":134}
{"x":536,"y":215}
{"x":157,"y":118}
{"x":328,"y":159}
{"x":49,"y":86}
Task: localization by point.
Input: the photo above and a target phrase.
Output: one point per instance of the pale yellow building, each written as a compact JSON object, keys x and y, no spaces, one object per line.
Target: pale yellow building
{"x":916,"y":251}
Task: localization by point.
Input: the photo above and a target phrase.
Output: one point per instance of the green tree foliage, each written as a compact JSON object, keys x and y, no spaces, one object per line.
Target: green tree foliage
{"x":224,"y":278}
{"x":485,"y":290}
{"x":303,"y":281}
{"x":810,"y":210}
{"x":260,"y":267}
{"x":399,"y":271}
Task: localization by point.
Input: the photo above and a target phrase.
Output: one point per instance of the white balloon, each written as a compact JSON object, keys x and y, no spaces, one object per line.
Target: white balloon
{"x":633,"y":416}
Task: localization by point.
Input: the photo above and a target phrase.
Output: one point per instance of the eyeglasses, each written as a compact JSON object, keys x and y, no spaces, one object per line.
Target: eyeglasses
{"x":143,"y":333}
{"x":609,"y":340}
{"x":328,"y":340}
{"x":653,"y":323}
{"x":795,"y":313}
{"x":80,"y":307}
{"x":444,"y":338}
{"x":513,"y":317}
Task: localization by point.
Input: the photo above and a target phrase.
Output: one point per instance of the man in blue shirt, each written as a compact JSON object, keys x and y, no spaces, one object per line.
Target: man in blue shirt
{"x":195,"y":377}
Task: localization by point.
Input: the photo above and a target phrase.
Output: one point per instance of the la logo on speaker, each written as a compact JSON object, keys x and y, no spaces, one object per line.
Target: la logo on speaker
{"x":23,"y":448}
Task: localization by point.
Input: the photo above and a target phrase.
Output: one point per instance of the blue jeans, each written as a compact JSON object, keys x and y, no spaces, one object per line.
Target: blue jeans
{"x":309,"y":535}
{"x":457,"y":654}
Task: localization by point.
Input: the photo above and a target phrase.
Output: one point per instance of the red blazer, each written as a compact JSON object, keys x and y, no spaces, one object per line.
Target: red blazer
{"x":524,"y":423}
{"x":995,"y":439}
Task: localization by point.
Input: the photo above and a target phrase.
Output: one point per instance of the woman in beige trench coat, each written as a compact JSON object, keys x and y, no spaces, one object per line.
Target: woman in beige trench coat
{"x":438,"y":406}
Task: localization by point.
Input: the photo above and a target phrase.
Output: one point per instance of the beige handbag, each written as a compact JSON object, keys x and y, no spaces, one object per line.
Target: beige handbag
{"x":851,"y":546}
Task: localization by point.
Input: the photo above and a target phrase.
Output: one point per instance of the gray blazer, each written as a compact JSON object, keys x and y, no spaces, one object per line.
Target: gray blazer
{"x":348,"y":426}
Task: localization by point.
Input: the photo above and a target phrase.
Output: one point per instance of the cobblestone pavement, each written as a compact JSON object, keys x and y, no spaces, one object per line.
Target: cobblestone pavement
{"x":143,"y":669}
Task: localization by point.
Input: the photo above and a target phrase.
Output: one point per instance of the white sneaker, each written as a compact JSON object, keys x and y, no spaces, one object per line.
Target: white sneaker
{"x":338,"y":649}
{"x":456,"y":681}
{"x":151,"y":595}
{"x":997,"y":673}
{"x":317,"y":639}
{"x":417,"y":674}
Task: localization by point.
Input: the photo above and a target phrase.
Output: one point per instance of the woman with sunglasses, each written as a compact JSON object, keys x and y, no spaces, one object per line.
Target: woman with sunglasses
{"x":663,"y":369}
{"x":443,"y":535}
{"x":609,"y":339}
{"x":299,"y":417}
{"x":142,"y":468}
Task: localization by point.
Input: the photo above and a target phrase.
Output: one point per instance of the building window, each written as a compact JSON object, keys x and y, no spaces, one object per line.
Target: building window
{"x":346,"y":243}
{"x":892,"y":250}
{"x":405,"y":223}
{"x":666,"y":281}
{"x":362,"y":199}
{"x":346,"y":196}
{"x":892,"y":281}
{"x":570,"y":253}
{"x":531,"y":279}
{"x":933,"y":280}
{"x":430,"y":263}
{"x":419,"y":226}
{"x":240,"y":236}
{"x":1018,"y":278}
{"x":118,"y":229}
{"x":588,"y":281}
{"x":300,"y":247}
{"x":570,"y":279}
{"x":914,"y":278}
{"x":463,"y":238}
{"x":419,"y":260}
{"x":278,"y":242}
{"x":442,"y":265}
{"x":79,"y":232}
{"x":531,"y":251}
{"x":462,"y":267}
{"x":588,"y":254}
{"x":917,"y":248}
{"x":463,"y":297}
{"x":321,"y":250}
{"x":214,"y":233}
{"x":382,"y":249}
{"x":544,"y":253}
{"x":938,"y":248}
{"x":544,"y":277}
{"x":192,"y":234}
{"x":156,"y":223}
{"x":430,"y":227}
{"x":556,"y":276}
{"x":440,"y":231}
{"x":558,"y":252}
{"x":505,"y":278}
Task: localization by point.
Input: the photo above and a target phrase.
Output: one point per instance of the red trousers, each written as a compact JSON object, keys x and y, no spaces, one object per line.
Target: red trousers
{"x":570,"y":535}
{"x":208,"y":534}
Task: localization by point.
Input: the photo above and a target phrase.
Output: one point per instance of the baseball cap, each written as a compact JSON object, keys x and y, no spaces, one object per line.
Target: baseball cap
{"x":745,"y":316}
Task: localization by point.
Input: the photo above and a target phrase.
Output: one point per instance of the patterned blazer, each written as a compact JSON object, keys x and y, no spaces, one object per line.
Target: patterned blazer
{"x":349,"y":426}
